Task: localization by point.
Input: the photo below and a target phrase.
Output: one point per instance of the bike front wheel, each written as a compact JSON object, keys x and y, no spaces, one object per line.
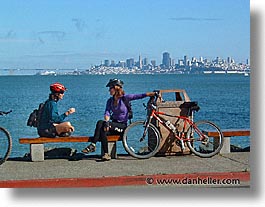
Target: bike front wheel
{"x":139,"y":144}
{"x":206,"y":139}
{"x":5,"y":145}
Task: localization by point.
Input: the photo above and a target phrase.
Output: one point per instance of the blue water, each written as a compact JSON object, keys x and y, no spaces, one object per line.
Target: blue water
{"x":224,"y":99}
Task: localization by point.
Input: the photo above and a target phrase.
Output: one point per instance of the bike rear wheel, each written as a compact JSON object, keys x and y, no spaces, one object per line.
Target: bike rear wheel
{"x":5,"y":145}
{"x":201,"y":143}
{"x":141,"y":149}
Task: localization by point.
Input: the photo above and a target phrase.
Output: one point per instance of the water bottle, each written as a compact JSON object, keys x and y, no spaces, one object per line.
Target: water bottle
{"x":170,"y":126}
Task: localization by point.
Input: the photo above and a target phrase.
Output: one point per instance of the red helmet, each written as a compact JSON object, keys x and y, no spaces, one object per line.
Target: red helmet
{"x":57,"y":88}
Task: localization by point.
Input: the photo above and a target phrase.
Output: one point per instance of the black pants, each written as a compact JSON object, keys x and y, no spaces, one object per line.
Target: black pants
{"x":116,"y":128}
{"x":47,"y":132}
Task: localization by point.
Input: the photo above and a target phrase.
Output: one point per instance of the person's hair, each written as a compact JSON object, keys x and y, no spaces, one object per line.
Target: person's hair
{"x":54,"y":96}
{"x":119,"y":92}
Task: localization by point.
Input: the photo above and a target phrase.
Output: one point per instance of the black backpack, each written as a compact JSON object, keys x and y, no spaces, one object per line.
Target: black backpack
{"x":34,"y":117}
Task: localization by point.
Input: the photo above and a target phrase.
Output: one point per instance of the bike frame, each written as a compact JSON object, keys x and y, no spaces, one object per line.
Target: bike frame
{"x":187,"y":122}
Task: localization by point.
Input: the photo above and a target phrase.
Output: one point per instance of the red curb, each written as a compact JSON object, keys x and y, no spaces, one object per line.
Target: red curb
{"x":200,"y":178}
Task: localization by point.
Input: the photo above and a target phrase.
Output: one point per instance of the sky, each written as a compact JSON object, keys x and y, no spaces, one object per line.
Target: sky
{"x":69,"y":34}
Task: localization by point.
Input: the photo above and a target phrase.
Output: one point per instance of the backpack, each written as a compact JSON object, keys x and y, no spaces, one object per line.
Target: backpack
{"x":34,"y":117}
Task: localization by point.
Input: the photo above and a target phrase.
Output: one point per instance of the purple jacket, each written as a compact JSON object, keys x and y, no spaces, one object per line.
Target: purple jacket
{"x":120,"y":112}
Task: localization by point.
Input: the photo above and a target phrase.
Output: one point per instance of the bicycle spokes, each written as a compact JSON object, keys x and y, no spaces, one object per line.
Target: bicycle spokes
{"x":141,"y":144}
{"x":200,"y":143}
{"x":5,"y":145}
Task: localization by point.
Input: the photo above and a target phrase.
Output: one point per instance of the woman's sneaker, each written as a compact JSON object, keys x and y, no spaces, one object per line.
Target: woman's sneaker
{"x":106,"y":157}
{"x":90,"y":148}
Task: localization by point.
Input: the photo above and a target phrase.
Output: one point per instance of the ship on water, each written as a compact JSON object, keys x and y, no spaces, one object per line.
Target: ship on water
{"x":47,"y":73}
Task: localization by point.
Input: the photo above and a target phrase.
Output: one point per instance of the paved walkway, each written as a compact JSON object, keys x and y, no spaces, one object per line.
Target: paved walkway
{"x":90,"y":171}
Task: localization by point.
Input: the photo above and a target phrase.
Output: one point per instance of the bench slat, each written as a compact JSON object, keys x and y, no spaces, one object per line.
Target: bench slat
{"x":41,"y":140}
{"x":230,"y":133}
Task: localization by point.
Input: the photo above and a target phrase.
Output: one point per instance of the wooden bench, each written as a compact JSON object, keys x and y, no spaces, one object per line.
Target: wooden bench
{"x":37,"y":144}
{"x":228,"y":133}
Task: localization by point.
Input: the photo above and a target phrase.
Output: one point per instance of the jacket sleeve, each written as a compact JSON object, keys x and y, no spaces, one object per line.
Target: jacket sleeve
{"x":108,"y":108}
{"x":132,"y":97}
{"x":56,"y":118}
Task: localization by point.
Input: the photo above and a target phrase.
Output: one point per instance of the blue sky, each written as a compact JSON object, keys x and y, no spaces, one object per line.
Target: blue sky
{"x":81,"y":33}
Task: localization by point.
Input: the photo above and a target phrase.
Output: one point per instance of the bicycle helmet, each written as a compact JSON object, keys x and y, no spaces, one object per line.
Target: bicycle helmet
{"x":115,"y":82}
{"x":57,"y":88}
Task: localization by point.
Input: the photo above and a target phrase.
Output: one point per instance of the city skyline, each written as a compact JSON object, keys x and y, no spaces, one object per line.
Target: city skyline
{"x":167,"y":61}
{"x":78,"y":34}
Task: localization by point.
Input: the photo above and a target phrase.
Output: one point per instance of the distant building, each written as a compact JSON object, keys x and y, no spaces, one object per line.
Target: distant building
{"x":181,"y":63}
{"x":112,"y":63}
{"x":140,"y":62}
{"x":145,"y":61}
{"x":153,"y":63}
{"x":166,"y":61}
{"x":122,"y":64}
{"x":229,"y":60}
{"x":185,"y":61}
{"x":130,"y":63}
{"x":106,"y":63}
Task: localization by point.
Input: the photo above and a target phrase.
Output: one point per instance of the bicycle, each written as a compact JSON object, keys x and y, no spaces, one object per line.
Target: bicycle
{"x":141,"y":139}
{"x":5,"y":141}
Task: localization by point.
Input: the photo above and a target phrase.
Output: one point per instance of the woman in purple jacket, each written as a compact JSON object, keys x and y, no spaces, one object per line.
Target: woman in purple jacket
{"x":117,"y":111}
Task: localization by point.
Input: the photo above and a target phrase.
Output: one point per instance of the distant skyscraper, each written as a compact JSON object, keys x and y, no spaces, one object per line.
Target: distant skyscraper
{"x":166,"y":62}
{"x":228,"y":60}
{"x":247,"y":62}
{"x":130,"y":63}
{"x":153,"y":63}
{"x":172,"y":62}
{"x":145,"y":61}
{"x":185,"y":60}
{"x":140,"y":62}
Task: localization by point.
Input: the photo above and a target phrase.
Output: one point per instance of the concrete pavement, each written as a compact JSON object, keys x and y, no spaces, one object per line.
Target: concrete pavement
{"x":90,"y":171}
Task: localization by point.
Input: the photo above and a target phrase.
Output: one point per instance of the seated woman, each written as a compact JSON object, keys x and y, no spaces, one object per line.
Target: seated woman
{"x":115,"y":117}
{"x":52,"y":124}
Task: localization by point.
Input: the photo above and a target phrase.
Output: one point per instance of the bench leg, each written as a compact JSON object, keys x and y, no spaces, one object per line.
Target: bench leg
{"x":112,"y":150}
{"x":226,"y":146}
{"x":37,"y":152}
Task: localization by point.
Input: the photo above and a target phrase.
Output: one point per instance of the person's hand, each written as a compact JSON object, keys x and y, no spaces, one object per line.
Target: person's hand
{"x":150,"y":94}
{"x":70,"y":111}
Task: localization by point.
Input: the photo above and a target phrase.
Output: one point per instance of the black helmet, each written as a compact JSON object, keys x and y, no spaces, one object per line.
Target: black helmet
{"x":115,"y":82}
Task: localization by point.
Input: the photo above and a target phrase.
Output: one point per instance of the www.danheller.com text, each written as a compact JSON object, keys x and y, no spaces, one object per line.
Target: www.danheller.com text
{"x":193,"y":181}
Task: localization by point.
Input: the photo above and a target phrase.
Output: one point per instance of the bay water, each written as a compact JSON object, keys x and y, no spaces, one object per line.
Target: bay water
{"x":223,"y":98}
